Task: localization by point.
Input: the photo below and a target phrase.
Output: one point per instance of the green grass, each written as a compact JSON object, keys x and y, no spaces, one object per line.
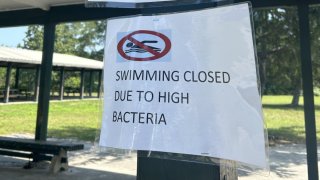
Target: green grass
{"x":68,"y":119}
{"x":285,"y":122}
{"x":80,"y":119}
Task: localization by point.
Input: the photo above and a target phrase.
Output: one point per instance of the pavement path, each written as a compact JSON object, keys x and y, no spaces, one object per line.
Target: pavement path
{"x":286,"y":162}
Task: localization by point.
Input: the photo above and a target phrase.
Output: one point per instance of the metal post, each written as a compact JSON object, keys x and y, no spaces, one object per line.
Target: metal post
{"x":61,"y":92}
{"x":159,"y":169}
{"x":37,"y":83}
{"x":90,"y":83}
{"x":309,"y":110}
{"x":82,"y":84}
{"x":16,"y":84}
{"x":99,"y":83}
{"x":45,"y":82}
{"x":7,"y":85}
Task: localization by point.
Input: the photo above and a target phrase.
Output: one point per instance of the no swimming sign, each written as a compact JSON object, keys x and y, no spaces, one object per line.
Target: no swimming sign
{"x":184,"y":83}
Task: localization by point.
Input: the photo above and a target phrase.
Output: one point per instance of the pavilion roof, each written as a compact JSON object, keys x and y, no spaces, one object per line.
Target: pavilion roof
{"x":9,"y":5}
{"x":24,"y":56}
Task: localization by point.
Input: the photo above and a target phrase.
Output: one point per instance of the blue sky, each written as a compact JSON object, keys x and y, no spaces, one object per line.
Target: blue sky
{"x":12,"y":36}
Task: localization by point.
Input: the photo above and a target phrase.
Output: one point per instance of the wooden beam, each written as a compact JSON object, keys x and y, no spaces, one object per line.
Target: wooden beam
{"x":7,"y":85}
{"x":82,"y":84}
{"x":69,"y":13}
{"x":61,"y":14}
{"x":61,"y":83}
{"x":45,"y":82}
{"x":17,"y":78}
{"x":307,"y":79}
{"x":99,"y":83}
{"x":34,"y":3}
{"x":37,"y":84}
{"x":90,"y":82}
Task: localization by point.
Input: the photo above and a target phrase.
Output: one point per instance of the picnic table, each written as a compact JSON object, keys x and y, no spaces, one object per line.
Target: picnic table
{"x":12,"y":92}
{"x":54,"y":151}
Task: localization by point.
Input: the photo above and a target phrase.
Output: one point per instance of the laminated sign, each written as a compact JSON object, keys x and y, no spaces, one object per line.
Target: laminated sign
{"x":184,"y":83}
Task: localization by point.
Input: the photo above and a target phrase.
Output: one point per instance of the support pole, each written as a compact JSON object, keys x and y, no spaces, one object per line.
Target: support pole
{"x":61,"y":91}
{"x":82,"y":84}
{"x":90,"y":83}
{"x":99,"y":83}
{"x":7,"y":85}
{"x":45,"y":82}
{"x":16,"y":83}
{"x":307,"y":79}
{"x":37,"y":84}
{"x":159,"y":169}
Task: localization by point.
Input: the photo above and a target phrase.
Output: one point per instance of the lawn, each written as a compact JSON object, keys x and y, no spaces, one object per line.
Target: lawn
{"x":80,"y":119}
{"x":68,"y":119}
{"x":285,"y":122}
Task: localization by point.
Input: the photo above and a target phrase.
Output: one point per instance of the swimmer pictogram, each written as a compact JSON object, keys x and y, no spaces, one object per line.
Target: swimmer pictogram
{"x":130,"y":48}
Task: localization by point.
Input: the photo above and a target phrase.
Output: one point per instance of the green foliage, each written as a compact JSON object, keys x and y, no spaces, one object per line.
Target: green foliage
{"x":33,"y":38}
{"x":55,"y":78}
{"x":2,"y":77}
{"x":3,"y":72}
{"x":72,"y":80}
{"x":277,"y":40}
{"x":315,"y":43}
{"x":85,"y":39}
{"x":27,"y":79}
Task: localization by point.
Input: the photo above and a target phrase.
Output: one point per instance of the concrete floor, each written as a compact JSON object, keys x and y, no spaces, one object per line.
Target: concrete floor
{"x":286,"y":162}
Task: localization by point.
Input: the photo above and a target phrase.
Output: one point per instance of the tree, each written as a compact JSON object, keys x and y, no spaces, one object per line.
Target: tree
{"x":33,"y":38}
{"x":85,"y":39}
{"x":315,"y":44}
{"x":278,"y":51}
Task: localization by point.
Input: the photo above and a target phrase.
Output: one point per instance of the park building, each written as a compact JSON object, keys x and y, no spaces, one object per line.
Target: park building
{"x":73,"y":77}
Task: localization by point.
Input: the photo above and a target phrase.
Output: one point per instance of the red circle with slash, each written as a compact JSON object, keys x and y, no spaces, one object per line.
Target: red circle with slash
{"x":156,"y":55}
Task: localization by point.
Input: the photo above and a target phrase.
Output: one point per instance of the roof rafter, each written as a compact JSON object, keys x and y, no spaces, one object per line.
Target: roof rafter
{"x":35,"y":3}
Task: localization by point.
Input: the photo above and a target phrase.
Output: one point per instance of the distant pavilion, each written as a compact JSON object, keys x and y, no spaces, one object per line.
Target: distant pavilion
{"x":19,"y":59}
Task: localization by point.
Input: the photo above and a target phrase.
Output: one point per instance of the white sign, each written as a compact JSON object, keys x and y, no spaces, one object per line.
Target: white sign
{"x":184,"y":83}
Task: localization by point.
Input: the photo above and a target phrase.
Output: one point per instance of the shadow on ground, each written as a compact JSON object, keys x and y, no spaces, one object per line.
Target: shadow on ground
{"x":283,"y":158}
{"x":288,"y":106}
{"x":11,"y":169}
{"x":72,"y":174}
{"x":294,"y":134}
{"x":74,"y":132}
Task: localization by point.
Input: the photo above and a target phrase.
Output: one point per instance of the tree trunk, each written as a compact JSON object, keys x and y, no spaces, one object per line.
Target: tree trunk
{"x":296,"y":97}
{"x":296,"y":94}
{"x":297,"y":83}
{"x":262,"y":76}
{"x":262,"y":71}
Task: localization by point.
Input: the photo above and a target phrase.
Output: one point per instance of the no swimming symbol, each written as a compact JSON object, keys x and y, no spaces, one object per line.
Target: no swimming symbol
{"x":144,"y":45}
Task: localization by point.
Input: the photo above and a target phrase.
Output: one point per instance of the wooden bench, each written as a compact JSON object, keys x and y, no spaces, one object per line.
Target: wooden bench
{"x":13,"y":93}
{"x":24,"y":93}
{"x":53,"y":151}
{"x":72,"y":90}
